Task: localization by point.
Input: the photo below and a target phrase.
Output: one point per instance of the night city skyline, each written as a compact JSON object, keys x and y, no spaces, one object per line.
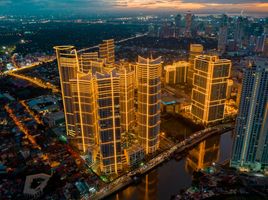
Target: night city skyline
{"x":133,"y":99}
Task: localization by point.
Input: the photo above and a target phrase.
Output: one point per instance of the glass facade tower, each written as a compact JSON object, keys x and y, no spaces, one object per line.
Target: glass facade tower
{"x":149,"y":100}
{"x":251,"y":141}
{"x":210,"y":88}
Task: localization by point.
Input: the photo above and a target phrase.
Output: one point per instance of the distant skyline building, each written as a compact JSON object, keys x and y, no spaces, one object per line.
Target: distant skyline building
{"x":239,"y":32}
{"x":149,"y":102}
{"x":260,"y":43}
{"x":195,"y":50}
{"x":265,"y":47}
{"x":222,"y":39}
{"x":177,"y":25}
{"x":209,"y":88}
{"x":188,"y":24}
{"x":176,"y":73}
{"x":251,"y":141}
{"x":223,"y":34}
{"x":107,"y":51}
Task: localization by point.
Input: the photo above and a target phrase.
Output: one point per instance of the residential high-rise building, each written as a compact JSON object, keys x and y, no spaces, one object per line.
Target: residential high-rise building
{"x":68,"y":65}
{"x":107,"y":52}
{"x":188,"y":24}
{"x":209,"y":88}
{"x":91,"y":99}
{"x":265,"y":47}
{"x":195,"y":50}
{"x":223,"y":34}
{"x":177,"y":25}
{"x":260,"y":43}
{"x":127,"y":110}
{"x":251,"y":141}
{"x":86,"y":60}
{"x":85,"y":113}
{"x":107,"y":86}
{"x":149,"y":100}
{"x":238,"y":32}
{"x":151,"y":30}
{"x":176,"y":73}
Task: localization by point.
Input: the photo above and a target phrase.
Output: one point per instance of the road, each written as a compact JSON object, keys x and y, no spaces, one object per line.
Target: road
{"x":117,"y":42}
{"x":79,"y":51}
{"x":39,"y":82}
{"x":36,"y":81}
{"x":180,"y":147}
{"x":22,"y":127}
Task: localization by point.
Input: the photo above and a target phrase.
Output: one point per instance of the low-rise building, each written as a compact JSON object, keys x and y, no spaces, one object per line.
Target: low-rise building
{"x":176,"y":73}
{"x":134,"y":155}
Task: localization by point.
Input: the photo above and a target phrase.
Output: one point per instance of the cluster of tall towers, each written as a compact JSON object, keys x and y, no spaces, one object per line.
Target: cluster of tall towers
{"x":98,"y":97}
{"x":208,"y":75}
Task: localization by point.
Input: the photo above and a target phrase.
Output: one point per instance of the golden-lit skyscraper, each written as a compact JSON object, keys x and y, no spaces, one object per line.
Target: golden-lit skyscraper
{"x":176,"y":73}
{"x":91,"y":99}
{"x":127,"y":110}
{"x":107,"y":52}
{"x":85,"y":112}
{"x":149,"y":100}
{"x":204,"y":154}
{"x":86,"y":60}
{"x":68,"y":65}
{"x":107,"y":85}
{"x":195,"y":50}
{"x":209,"y":88}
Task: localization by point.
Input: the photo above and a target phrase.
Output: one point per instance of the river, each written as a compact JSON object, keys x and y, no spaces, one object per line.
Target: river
{"x":172,"y":176}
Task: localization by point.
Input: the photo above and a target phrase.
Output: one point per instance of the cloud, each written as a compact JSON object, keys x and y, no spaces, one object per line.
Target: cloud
{"x":95,"y":6}
{"x":226,"y":1}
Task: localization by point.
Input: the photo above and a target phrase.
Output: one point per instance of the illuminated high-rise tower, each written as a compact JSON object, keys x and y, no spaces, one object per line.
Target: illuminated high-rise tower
{"x":209,"y":88}
{"x":251,"y":141}
{"x":86,"y":60}
{"x":188,"y":24}
{"x":106,"y":50}
{"x":68,"y":65}
{"x":91,"y":99}
{"x":149,"y":97}
{"x":85,"y":112}
{"x":127,"y":81}
{"x":107,"y":86}
{"x":195,"y":50}
{"x":176,"y":73}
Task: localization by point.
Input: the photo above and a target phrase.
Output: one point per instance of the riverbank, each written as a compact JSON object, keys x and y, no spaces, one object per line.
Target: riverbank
{"x":180,"y":147}
{"x":218,"y":182}
{"x":172,"y":176}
